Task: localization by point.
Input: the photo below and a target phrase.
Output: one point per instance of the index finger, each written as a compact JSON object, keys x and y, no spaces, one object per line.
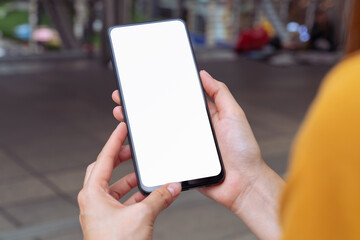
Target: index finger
{"x":106,"y":161}
{"x":218,"y":91}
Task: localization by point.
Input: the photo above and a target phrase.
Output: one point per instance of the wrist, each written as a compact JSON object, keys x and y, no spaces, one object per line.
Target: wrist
{"x":257,"y":205}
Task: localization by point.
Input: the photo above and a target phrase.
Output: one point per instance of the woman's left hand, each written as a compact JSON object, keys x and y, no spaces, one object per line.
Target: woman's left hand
{"x":102,"y":216}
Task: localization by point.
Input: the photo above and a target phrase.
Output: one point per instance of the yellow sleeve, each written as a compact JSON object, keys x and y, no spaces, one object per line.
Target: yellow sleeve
{"x":322,"y":197}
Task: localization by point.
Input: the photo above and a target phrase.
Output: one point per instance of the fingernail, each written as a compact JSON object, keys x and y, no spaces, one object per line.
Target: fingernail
{"x":174,"y":188}
{"x":206,"y":73}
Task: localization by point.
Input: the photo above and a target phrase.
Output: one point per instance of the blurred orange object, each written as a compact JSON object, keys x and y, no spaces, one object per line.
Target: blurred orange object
{"x":322,"y":196}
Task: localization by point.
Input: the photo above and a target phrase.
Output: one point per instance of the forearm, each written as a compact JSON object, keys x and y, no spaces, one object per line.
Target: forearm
{"x":258,"y":205}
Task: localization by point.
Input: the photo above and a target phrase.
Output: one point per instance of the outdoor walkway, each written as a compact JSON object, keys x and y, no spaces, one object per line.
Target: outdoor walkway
{"x":56,"y":115}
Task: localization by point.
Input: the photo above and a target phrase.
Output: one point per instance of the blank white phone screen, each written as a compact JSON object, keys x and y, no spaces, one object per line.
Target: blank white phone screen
{"x":168,"y":122}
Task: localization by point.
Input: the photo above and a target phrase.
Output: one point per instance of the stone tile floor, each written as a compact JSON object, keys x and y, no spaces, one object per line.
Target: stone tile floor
{"x":56,"y":115}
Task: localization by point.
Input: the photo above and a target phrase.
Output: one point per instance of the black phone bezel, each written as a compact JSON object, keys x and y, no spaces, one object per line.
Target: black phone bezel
{"x":186,"y":185}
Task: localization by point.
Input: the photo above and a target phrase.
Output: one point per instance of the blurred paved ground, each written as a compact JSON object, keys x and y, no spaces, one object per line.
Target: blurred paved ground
{"x":55,"y":117}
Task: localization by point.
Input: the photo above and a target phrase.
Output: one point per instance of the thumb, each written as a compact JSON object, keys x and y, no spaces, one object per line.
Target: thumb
{"x":162,"y":197}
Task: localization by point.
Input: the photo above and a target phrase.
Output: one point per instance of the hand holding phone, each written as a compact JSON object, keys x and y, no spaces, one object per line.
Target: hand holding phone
{"x":241,"y":154}
{"x":102,"y":215}
{"x":170,"y":131}
{"x":250,"y":188}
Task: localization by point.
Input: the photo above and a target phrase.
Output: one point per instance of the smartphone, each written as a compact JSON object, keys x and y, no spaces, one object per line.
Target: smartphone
{"x":169,"y":126}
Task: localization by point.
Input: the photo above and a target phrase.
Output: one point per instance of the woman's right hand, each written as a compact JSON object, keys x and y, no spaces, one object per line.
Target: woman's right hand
{"x":239,"y":149}
{"x":248,"y":178}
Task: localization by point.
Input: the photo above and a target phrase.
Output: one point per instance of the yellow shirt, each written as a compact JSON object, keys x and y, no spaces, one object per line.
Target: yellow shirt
{"x":322,"y":197}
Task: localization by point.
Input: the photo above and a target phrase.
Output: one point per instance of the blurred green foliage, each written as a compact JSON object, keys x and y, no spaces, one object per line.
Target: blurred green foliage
{"x":12,"y":16}
{"x":9,"y":19}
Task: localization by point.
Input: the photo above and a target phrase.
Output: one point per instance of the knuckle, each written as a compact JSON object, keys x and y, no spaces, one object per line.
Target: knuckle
{"x":86,"y":197}
{"x":165,"y":196}
{"x":239,"y":114}
{"x":167,"y":200}
{"x":223,"y":86}
{"x":81,"y":218}
{"x":89,"y":167}
{"x":242,"y":113}
{"x":100,"y":155}
{"x":146,"y":209}
{"x":81,"y":198}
